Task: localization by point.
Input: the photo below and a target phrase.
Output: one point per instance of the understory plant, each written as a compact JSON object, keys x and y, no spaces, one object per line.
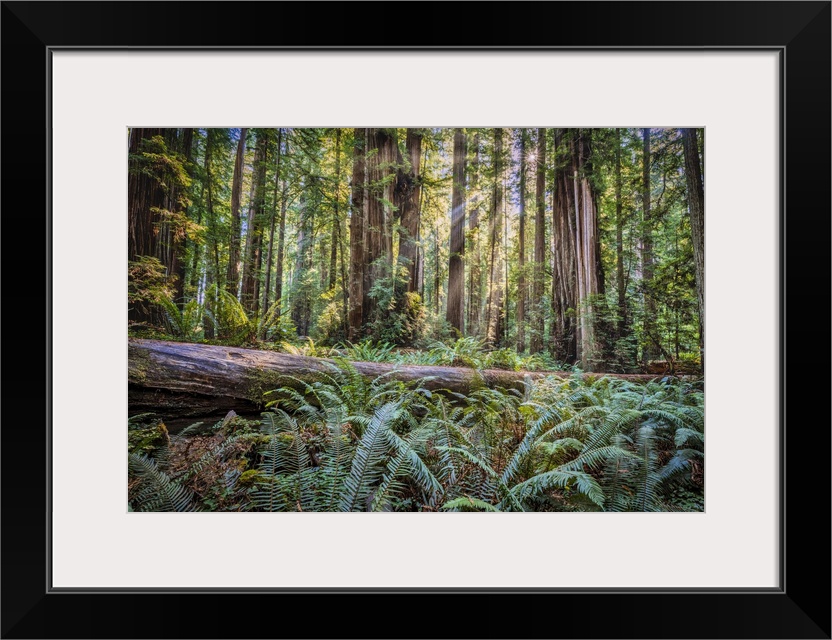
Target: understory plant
{"x":347,"y":442}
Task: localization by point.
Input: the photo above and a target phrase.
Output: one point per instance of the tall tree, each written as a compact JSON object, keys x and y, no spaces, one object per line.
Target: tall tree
{"x":301,"y":292}
{"x":521,"y":249}
{"x":651,"y":339}
{"x":232,"y":275}
{"x":623,"y":313}
{"x":539,"y":241}
{"x":374,"y":245}
{"x":474,"y":274}
{"x":158,"y":181}
{"x":145,"y":197}
{"x":272,"y":221}
{"x":494,"y":304}
{"x":696,"y":208}
{"x":577,"y":270}
{"x":456,"y":268}
{"x":281,"y":240}
{"x":410,"y":212}
{"x":357,"y":235}
{"x":254,"y":226}
{"x":336,"y":220}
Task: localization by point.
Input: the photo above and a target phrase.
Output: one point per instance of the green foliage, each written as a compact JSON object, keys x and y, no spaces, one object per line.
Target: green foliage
{"x":346,"y":442}
{"x":148,"y":284}
{"x":399,"y":316}
{"x":146,"y":435}
{"x":153,"y":490}
{"x":185,"y":322}
{"x":368,"y":351}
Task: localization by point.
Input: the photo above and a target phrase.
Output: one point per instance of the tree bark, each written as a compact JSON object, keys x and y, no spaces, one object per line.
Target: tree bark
{"x":336,"y":221}
{"x":374,"y":243}
{"x":539,"y":242}
{"x":177,"y":379}
{"x":696,"y":207}
{"x":650,"y":350}
{"x":267,"y":285}
{"x":410,"y":213}
{"x":576,"y":247}
{"x":474,"y":273}
{"x":357,"y":236}
{"x":254,"y":228}
{"x":623,"y":313}
{"x":145,"y":197}
{"x":232,"y":275}
{"x":521,"y":250}
{"x":494,"y":304}
{"x":456,"y":268}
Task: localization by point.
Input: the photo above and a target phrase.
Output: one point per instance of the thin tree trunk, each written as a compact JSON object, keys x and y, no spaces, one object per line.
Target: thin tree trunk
{"x":281,"y":245}
{"x":521,"y":250}
{"x":474,"y":275}
{"x":336,"y":221}
{"x":302,"y":297}
{"x":267,"y":285}
{"x":456,"y":268}
{"x":194,"y":272}
{"x":539,"y":241}
{"x":375,"y":224}
{"x":650,"y":350}
{"x":619,"y":240}
{"x":357,"y":236}
{"x":233,"y":273}
{"x":254,"y":229}
{"x":436,"y":271}
{"x":696,"y":206}
{"x":495,"y":290}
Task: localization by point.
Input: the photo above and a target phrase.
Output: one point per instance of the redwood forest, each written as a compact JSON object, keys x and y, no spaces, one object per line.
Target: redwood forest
{"x":416,"y":319}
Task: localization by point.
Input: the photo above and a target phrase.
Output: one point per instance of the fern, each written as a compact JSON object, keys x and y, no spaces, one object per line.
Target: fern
{"x":156,"y":490}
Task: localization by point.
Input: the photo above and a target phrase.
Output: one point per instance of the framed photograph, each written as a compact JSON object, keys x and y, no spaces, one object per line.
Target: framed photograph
{"x":223,"y":155}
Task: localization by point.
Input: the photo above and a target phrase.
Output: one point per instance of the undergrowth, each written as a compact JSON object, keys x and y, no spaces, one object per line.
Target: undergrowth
{"x":348,"y":443}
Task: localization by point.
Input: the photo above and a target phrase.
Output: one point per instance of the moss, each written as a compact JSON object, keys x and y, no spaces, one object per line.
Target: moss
{"x":138,"y":363}
{"x":251,"y":477}
{"x":147,"y":438}
{"x":260,"y":381}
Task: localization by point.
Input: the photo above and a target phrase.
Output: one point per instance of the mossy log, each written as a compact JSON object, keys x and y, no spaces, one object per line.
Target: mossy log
{"x":178,"y":379}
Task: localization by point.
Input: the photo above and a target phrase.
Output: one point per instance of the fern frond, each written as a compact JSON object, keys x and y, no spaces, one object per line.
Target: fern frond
{"x":157,"y":492}
{"x":467,"y":503}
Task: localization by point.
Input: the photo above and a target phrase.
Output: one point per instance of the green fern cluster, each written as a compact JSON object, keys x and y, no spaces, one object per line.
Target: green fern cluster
{"x":345,"y":442}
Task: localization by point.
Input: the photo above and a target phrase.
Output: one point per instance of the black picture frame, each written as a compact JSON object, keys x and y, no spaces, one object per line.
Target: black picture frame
{"x":800,"y":608}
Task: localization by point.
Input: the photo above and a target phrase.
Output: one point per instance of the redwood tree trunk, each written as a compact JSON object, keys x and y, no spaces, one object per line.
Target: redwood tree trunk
{"x":474,"y":273}
{"x":623,"y":314}
{"x":650,"y":348}
{"x":232,"y":276}
{"x":521,"y":250}
{"x":539,"y":242}
{"x":696,"y":206}
{"x":145,"y":197}
{"x":254,"y":227}
{"x":494,"y":304}
{"x":267,"y":285}
{"x":576,"y":248}
{"x":373,"y":246}
{"x":357,"y":235}
{"x":336,"y":221}
{"x":410,"y":213}
{"x":456,"y":268}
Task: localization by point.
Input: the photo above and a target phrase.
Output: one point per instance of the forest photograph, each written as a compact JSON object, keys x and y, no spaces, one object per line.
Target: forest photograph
{"x":416,"y":319}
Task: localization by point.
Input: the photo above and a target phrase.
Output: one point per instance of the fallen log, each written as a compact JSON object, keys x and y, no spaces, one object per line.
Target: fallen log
{"x":178,"y":379}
